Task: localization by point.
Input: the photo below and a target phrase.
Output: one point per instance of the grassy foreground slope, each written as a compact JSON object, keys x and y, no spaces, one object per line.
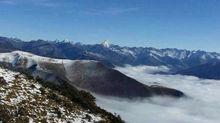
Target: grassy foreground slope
{"x":24,"y":99}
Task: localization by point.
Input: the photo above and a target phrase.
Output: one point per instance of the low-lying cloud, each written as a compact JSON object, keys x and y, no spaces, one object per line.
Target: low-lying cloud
{"x":202,"y":106}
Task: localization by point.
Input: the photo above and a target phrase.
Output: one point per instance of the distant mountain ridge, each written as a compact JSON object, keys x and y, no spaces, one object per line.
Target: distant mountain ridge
{"x":206,"y":71}
{"x":173,"y":58}
{"x":113,"y":55}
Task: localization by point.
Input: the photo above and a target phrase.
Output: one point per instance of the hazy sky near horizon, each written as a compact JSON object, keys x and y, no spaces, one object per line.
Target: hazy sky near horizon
{"x":185,"y":24}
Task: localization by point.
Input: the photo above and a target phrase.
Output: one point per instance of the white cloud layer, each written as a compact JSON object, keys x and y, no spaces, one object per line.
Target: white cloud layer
{"x":202,"y":106}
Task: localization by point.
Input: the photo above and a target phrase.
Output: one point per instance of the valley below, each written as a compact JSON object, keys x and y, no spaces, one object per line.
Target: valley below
{"x":201,"y":105}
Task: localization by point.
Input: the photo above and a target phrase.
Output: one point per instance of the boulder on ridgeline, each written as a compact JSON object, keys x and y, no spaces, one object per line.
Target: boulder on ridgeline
{"x":2,"y":81}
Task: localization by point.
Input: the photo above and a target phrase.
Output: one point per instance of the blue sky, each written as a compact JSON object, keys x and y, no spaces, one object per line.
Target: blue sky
{"x":185,"y":24}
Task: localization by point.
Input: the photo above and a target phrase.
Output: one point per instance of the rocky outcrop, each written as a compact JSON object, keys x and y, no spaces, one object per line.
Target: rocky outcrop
{"x":2,"y":81}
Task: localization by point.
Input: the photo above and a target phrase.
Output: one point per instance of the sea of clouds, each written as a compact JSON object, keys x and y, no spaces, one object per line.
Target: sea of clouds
{"x":201,"y":106}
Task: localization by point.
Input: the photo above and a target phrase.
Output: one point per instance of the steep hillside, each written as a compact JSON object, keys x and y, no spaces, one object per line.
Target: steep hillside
{"x":85,"y":74}
{"x":95,"y":77}
{"x":24,"y":99}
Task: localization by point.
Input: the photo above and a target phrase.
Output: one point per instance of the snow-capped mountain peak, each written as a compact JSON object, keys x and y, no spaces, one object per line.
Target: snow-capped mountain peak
{"x":105,"y":44}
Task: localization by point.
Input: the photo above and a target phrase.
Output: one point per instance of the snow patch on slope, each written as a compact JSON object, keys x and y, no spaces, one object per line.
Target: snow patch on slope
{"x":29,"y":59}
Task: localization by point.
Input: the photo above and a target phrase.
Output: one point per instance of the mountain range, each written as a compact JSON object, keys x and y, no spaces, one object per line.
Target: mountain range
{"x":113,"y":55}
{"x":206,"y":71}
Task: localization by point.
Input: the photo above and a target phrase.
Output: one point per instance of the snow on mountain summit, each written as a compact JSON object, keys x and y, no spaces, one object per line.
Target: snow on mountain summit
{"x":105,"y":44}
{"x":29,"y":59}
